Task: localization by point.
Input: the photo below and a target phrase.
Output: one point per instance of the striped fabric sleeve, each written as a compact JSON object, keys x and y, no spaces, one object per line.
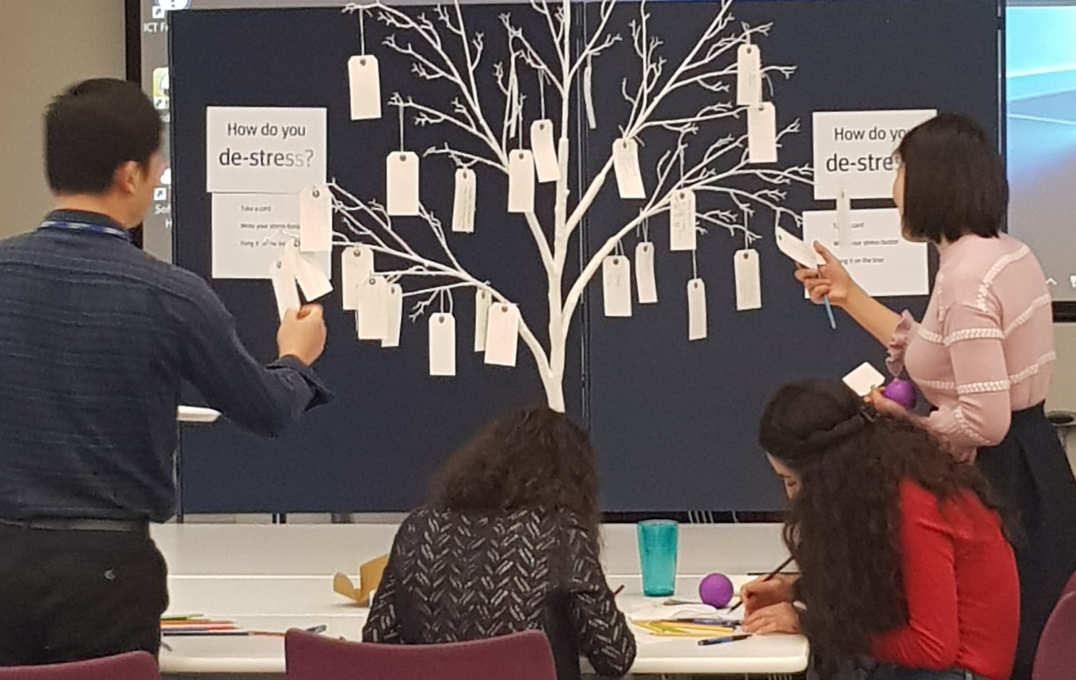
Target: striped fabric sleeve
{"x":898,"y":344}
{"x":982,"y":412}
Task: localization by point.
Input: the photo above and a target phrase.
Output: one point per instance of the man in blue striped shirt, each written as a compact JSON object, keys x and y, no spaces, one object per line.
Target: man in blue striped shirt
{"x":95,"y":339}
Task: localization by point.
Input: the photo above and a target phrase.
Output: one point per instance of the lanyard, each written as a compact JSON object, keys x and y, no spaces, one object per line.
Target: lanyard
{"x":86,"y":226}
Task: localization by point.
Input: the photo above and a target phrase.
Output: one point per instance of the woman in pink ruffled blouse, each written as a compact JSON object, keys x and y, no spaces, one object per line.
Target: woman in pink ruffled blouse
{"x":983,"y":353}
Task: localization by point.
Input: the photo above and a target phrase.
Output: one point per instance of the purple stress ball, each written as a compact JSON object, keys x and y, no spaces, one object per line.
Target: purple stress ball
{"x":902,"y":392}
{"x":716,"y":590}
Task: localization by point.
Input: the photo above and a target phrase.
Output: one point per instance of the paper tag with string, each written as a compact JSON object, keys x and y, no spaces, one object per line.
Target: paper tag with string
{"x":284,"y":290}
{"x":696,"y":309}
{"x":315,"y":219}
{"x":629,"y":179}
{"x":312,"y":280}
{"x":520,"y":181}
{"x":481,"y":318}
{"x":502,"y":334}
{"x":762,"y":133}
{"x":401,"y":183}
{"x":844,"y":219}
{"x":442,"y":332}
{"x":645,"y":280}
{"x":372,"y":316}
{"x":463,"y":201}
{"x":616,"y":285}
{"x":393,"y":315}
{"x":356,"y":266}
{"x":748,"y":280}
{"x":588,"y":94}
{"x":682,"y":219}
{"x":364,"y":80}
{"x":545,"y":155}
{"x":748,"y":75}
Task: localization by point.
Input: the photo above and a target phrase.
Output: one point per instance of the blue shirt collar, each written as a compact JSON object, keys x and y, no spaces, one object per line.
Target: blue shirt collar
{"x":82,"y":217}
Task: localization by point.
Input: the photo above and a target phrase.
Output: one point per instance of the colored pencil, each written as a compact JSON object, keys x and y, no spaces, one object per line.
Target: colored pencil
{"x":768,"y":577}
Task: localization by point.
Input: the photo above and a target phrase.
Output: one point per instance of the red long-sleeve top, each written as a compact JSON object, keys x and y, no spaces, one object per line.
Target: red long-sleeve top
{"x":961,"y":582}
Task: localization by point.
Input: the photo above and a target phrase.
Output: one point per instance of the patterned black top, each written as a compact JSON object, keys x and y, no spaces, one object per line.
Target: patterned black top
{"x":453,"y":577}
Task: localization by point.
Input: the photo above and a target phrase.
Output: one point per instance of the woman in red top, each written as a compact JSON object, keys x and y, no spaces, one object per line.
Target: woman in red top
{"x":904,"y":564}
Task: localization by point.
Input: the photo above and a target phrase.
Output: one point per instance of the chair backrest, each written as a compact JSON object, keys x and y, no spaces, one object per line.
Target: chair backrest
{"x":1056,"y":655}
{"x":519,"y":656}
{"x":127,"y":666}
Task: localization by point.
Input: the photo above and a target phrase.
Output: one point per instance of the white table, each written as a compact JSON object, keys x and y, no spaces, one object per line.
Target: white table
{"x":228,"y":572}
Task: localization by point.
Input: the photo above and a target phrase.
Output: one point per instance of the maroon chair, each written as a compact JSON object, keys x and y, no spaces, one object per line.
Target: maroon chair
{"x":1055,"y":658}
{"x":520,"y":656}
{"x":127,"y":666}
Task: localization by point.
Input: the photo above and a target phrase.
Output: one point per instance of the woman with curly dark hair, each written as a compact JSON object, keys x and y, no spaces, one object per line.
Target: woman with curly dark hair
{"x":508,"y":541}
{"x":904,"y":563}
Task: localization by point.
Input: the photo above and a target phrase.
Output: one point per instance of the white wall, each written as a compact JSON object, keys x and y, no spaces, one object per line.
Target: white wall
{"x":45,"y":45}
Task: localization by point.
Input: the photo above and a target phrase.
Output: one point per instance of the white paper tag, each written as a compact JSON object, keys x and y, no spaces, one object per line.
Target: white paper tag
{"x":644,"y":273}
{"x":696,"y":309}
{"x":588,"y":96}
{"x":545,"y":155}
{"x":844,"y":220}
{"x":748,"y":280}
{"x":864,"y":378}
{"x":401,"y":179}
{"x":797,"y":249}
{"x":682,"y":220}
{"x":287,"y":295}
{"x":463,"y":201}
{"x":481,"y":319}
{"x":373,"y":309}
{"x":307,"y":272}
{"x":442,"y":344}
{"x":629,"y":179}
{"x":356,"y":265}
{"x":365,"y":86}
{"x":748,"y":75}
{"x":502,"y":334}
{"x":315,"y":219}
{"x":520,"y":181}
{"x":616,"y":285}
{"x":762,"y":133}
{"x":393,"y":316}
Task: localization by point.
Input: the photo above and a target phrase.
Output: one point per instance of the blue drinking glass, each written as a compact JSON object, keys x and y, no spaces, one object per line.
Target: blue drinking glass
{"x":657,"y":553}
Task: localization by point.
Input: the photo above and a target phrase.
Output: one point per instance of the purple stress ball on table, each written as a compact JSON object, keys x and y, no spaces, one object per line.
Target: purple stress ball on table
{"x":902,"y":392}
{"x":716,"y":590}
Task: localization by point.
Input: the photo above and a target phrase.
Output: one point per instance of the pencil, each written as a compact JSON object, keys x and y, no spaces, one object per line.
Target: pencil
{"x":769,"y":576}
{"x":618,"y":590}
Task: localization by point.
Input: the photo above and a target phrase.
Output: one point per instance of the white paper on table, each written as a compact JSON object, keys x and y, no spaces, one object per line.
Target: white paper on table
{"x":646,"y":281}
{"x":629,"y":179}
{"x":864,"y":378}
{"x":315,"y":219}
{"x":401,"y":183}
{"x":442,"y":344}
{"x":393,"y":316}
{"x":616,"y":286}
{"x":878,"y":258}
{"x":520,"y":181}
{"x":364,"y":85}
{"x":748,"y":280}
{"x":287,"y":295}
{"x":545,"y":154}
{"x":682,"y":220}
{"x":748,"y":75}
{"x":372,"y":315}
{"x":481,"y":319}
{"x":796,"y":249}
{"x":502,"y":334}
{"x":356,"y":266}
{"x":762,"y":133}
{"x":463,"y":201}
{"x":696,"y":309}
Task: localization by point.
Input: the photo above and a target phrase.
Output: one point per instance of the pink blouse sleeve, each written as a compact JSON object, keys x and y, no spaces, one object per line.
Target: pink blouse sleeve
{"x":982,"y":412}
{"x":898,"y":344}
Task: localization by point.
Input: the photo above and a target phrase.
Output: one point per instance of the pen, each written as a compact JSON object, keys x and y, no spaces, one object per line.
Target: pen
{"x":769,"y":576}
{"x":618,"y":590}
{"x":829,"y":313}
{"x":726,"y":638}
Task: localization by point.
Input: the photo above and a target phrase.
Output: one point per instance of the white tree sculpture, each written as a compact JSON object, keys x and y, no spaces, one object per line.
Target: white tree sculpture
{"x":718,"y":172}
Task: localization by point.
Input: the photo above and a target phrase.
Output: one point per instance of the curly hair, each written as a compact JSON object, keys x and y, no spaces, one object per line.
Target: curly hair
{"x":527,"y":459}
{"x":843,"y":524}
